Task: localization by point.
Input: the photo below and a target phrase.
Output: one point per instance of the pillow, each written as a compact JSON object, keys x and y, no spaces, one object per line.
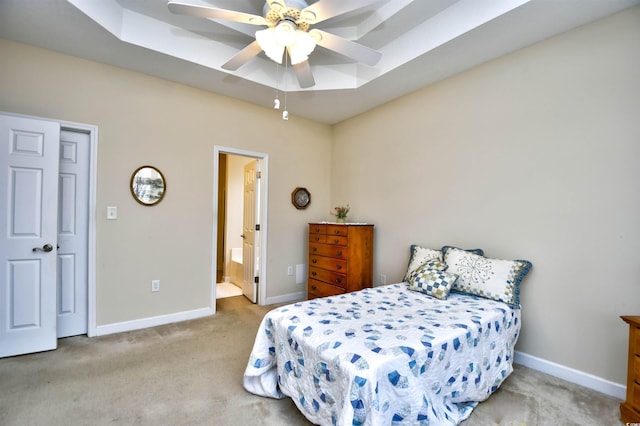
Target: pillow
{"x":477,"y":251}
{"x":435,"y":264}
{"x":418,"y":256}
{"x":434,"y":282}
{"x":495,"y":279}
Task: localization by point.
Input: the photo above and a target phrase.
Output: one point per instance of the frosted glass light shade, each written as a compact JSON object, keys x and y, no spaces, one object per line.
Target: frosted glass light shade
{"x":299,"y":51}
{"x":285,"y":33}
{"x":267,"y":41}
{"x":273,"y":41}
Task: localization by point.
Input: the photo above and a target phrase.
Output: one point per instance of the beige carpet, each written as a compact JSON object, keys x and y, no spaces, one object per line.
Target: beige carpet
{"x":191,"y":374}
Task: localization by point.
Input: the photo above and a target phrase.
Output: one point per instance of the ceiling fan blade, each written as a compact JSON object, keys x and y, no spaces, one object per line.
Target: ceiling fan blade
{"x":277,"y":5}
{"x":346,"y":47}
{"x":215,"y":13}
{"x":242,"y":57}
{"x":304,"y":74}
{"x":325,"y":9}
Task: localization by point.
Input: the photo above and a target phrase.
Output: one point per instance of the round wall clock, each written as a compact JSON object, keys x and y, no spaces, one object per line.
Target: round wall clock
{"x":300,"y":198}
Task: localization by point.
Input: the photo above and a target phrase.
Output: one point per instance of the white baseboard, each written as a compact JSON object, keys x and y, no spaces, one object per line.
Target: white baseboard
{"x":119,"y":327}
{"x":578,"y":377}
{"x":287,"y":298}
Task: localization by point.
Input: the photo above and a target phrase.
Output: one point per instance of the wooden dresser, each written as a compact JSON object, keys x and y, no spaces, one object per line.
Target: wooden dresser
{"x":630,"y":409}
{"x":340,"y":258}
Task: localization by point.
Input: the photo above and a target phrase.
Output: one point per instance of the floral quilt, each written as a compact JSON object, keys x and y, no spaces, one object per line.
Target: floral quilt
{"x":384,"y":356}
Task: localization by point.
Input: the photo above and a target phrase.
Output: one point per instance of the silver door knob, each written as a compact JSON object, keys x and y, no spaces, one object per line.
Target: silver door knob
{"x":46,"y":248}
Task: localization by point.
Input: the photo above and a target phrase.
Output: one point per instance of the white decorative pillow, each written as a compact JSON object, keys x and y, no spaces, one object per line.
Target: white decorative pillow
{"x":434,"y":282}
{"x":444,"y":250}
{"x":418,"y":256}
{"x":490,"y":278}
{"x":435,"y":264}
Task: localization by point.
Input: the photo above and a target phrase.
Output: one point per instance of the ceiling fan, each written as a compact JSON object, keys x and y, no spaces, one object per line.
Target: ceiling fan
{"x":289,"y":30}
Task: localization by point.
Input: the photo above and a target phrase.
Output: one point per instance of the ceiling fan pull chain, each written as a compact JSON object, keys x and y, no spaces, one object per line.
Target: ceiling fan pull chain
{"x":285,"y":113}
{"x":276,"y":101}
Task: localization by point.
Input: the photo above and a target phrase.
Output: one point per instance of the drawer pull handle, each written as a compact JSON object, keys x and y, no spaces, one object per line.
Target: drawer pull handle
{"x":339,"y":253}
{"x":314,"y":273}
{"x":317,"y":229}
{"x":317,"y":239}
{"x":336,"y":231}
{"x":313,"y":287}
{"x":338,"y":280}
{"x":339,"y":267}
{"x":336,"y":241}
{"x":314,"y":261}
{"x":314,"y":249}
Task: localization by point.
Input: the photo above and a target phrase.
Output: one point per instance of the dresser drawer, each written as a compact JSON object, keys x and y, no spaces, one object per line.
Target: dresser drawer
{"x":317,"y":229}
{"x":320,"y":289}
{"x":334,"y":278}
{"x":317,"y":238}
{"x":328,"y":263}
{"x":337,"y":230}
{"x":337,"y":240}
{"x":327,"y":250}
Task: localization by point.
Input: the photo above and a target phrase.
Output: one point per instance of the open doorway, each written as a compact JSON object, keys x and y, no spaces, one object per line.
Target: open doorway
{"x":239,"y":229}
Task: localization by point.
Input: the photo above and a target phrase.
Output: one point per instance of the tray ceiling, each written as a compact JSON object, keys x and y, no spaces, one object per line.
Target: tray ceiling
{"x":421,"y":42}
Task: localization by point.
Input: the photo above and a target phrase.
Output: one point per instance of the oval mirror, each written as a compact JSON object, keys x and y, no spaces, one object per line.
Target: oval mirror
{"x":148,"y":185}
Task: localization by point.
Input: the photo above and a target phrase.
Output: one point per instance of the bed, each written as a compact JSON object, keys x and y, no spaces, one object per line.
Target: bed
{"x":394,"y":354}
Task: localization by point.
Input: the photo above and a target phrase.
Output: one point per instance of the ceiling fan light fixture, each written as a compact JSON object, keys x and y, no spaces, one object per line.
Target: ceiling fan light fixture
{"x":298,"y":43}
{"x":285,"y":33}
{"x":267,"y":40}
{"x":300,"y":50}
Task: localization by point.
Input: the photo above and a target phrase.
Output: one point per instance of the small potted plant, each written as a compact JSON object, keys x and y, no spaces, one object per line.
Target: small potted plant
{"x":340,"y":212}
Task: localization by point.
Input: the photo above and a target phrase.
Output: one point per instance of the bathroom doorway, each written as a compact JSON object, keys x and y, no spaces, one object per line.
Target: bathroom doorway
{"x":240,"y":247}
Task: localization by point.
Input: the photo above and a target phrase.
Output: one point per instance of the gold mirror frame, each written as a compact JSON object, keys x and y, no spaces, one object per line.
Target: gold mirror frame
{"x":148,"y":185}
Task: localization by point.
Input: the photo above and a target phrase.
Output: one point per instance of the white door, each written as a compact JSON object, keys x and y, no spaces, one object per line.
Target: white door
{"x":249,"y":286}
{"x":73,"y":218}
{"x":29,"y":150}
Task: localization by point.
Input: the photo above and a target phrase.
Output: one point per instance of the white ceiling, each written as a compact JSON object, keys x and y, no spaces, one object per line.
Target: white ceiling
{"x":422,"y":41}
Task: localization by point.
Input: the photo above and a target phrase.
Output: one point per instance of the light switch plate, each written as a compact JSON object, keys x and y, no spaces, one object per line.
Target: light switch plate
{"x":112,"y":213}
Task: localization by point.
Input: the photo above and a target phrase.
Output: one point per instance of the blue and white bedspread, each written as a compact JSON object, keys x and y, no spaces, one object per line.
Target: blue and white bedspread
{"x":384,"y":356}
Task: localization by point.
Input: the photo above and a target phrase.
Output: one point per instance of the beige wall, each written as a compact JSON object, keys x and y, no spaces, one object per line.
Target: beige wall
{"x":145,"y":120}
{"x":534,"y":156}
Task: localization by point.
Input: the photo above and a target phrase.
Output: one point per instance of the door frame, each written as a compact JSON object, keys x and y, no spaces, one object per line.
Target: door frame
{"x":263,"y":160}
{"x":92,"y":131}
